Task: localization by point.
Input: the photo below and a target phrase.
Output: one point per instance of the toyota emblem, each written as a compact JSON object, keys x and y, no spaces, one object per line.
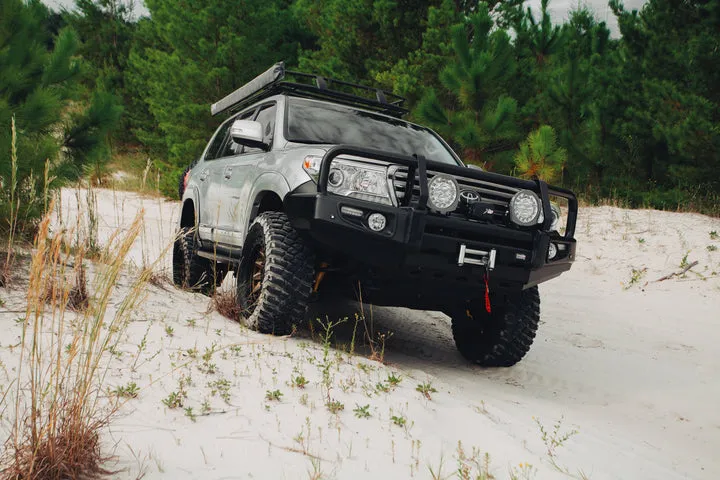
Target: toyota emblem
{"x":469,"y":196}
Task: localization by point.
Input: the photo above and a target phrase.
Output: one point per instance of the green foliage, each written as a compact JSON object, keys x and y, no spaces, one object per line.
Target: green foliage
{"x":59,"y":123}
{"x":478,"y":116}
{"x":178,"y":74}
{"x":636,"y":118}
{"x":539,"y":156}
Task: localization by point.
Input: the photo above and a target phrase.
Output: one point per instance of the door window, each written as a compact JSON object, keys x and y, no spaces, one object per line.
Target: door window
{"x":266,"y":117}
{"x":231,"y":148}
{"x":217,"y":141}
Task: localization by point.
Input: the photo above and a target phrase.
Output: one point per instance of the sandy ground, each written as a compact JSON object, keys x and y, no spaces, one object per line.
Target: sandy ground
{"x":632,"y":365}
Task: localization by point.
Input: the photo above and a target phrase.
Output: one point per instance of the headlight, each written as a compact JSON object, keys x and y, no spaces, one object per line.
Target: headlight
{"x":349,"y":178}
{"x":525,"y":208}
{"x":443,"y":193}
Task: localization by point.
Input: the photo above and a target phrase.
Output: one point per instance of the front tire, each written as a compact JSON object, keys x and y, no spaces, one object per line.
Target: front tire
{"x":274,"y":278}
{"x":501,"y":338}
{"x":190,"y":270}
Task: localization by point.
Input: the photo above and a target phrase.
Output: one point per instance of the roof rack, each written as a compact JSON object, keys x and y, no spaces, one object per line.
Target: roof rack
{"x":271,"y":82}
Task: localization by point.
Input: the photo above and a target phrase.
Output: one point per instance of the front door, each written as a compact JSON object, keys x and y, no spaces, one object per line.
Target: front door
{"x":238,"y":177}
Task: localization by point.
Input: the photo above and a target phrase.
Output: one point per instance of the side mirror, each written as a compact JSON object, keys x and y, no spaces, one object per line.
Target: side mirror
{"x":474,"y":167}
{"x":248,"y":132}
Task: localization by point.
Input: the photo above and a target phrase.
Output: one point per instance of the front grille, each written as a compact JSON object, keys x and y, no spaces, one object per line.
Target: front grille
{"x":497,"y":195}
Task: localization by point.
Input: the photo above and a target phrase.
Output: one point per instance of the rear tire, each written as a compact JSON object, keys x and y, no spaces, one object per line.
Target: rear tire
{"x":191,"y":271}
{"x":501,"y":338}
{"x":275,"y":275}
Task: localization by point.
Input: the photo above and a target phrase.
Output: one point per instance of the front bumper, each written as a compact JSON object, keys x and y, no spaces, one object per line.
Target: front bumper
{"x":423,"y":248}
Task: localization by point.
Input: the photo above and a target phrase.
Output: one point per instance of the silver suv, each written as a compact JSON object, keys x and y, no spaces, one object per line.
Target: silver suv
{"x":316,"y":187}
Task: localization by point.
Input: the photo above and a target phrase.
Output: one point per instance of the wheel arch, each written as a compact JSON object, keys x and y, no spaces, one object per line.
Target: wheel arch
{"x":188,"y":215}
{"x":268,"y":193}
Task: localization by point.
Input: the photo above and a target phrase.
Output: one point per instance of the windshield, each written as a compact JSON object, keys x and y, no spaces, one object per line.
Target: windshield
{"x":314,"y":122}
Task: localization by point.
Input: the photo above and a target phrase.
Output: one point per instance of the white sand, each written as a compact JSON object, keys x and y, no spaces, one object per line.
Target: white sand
{"x":634,"y":368}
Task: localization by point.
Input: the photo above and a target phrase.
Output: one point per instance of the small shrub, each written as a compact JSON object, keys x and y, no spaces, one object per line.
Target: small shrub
{"x":334,"y":406}
{"x":399,"y":420}
{"x":273,"y":396}
{"x":130,"y":390}
{"x":299,"y":381}
{"x":362,"y":411}
{"x":711,"y":248}
{"x":426,"y":389}
{"x":714,"y":235}
{"x":393,"y":380}
{"x":190,"y":414}
{"x":175,"y":399}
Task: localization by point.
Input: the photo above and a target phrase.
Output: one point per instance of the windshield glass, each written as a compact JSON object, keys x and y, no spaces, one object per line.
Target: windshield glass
{"x":314,"y":122}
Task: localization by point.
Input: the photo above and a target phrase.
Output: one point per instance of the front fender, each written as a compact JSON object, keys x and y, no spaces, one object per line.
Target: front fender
{"x":266,"y":182}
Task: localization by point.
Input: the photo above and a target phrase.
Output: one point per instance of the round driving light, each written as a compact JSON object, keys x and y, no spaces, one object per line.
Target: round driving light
{"x":336,"y":177}
{"x":376,"y":222}
{"x":524,"y":208}
{"x":552,"y":251}
{"x":443,"y":193}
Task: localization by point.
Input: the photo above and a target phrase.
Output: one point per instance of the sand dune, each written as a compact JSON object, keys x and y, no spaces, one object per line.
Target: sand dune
{"x":629,"y":363}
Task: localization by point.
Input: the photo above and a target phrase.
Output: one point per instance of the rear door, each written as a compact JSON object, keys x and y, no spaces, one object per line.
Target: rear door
{"x":208,"y":198}
{"x":239,"y":173}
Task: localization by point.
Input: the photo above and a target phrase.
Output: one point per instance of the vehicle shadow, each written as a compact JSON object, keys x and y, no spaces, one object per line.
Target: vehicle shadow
{"x":410,"y":338}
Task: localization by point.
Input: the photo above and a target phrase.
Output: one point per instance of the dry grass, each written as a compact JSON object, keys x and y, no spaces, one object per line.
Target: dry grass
{"x":57,"y":402}
{"x":225,"y":303}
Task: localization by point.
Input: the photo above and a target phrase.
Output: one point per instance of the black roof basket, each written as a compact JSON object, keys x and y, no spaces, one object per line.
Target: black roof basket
{"x":271,"y":82}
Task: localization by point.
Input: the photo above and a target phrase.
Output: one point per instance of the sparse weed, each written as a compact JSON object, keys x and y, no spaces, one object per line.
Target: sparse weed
{"x":399,"y":420}
{"x":299,"y":381}
{"x":426,"y":389}
{"x":711,"y":248}
{"x":335,"y":406}
{"x":393,"y":379}
{"x":220,"y":387}
{"x":474,"y":466}
{"x":714,"y":235}
{"x":175,"y":399}
{"x":130,"y":390}
{"x":684,"y":262}
{"x":365,"y":367}
{"x":190,"y":414}
{"x":382,"y":387}
{"x":635,"y":277}
{"x":169,"y":331}
{"x":555,"y":439}
{"x":362,"y":411}
{"x":207,"y":366}
{"x":524,"y":471}
{"x":641,"y":241}
{"x":273,"y":395}
{"x":191,"y":322}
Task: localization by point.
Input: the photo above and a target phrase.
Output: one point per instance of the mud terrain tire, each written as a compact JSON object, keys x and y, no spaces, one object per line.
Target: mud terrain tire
{"x":501,"y":338}
{"x":191,"y":271}
{"x":275,"y":275}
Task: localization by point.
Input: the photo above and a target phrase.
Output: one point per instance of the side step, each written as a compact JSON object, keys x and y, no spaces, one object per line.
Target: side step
{"x":218,"y":257}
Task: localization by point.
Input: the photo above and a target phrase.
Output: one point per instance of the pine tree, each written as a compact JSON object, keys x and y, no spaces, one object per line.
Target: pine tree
{"x":540,"y":156}
{"x":185,"y":59}
{"x":39,"y":87}
{"x":479,"y":117}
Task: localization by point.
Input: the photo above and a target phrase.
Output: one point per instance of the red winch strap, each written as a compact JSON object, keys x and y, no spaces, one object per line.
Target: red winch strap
{"x":487,"y":294}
